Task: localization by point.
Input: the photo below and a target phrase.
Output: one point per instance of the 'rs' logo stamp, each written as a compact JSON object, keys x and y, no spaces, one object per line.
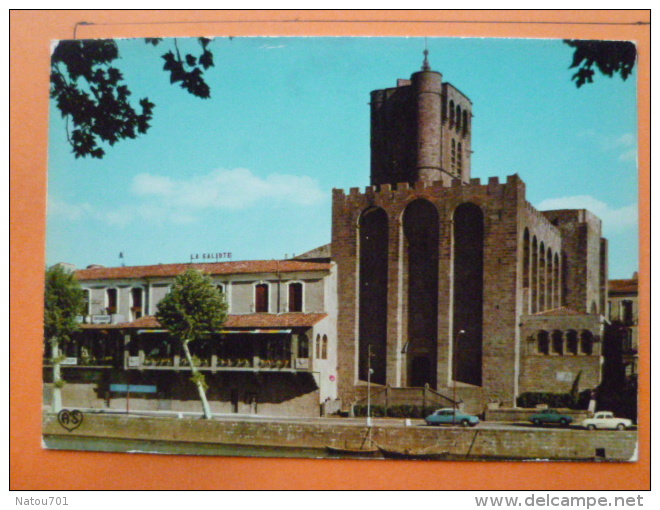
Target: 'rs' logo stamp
{"x":70,"y":420}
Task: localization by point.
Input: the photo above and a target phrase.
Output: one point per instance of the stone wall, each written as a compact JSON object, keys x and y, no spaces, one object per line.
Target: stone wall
{"x":558,"y":372}
{"x":461,"y":443}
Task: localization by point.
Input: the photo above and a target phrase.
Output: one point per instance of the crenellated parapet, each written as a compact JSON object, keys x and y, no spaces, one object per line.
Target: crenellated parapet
{"x":488,"y":195}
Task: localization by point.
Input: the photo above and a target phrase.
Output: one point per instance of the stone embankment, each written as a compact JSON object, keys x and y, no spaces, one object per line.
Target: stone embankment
{"x":471,"y":443}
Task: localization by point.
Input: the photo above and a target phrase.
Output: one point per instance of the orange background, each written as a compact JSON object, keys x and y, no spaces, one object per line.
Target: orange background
{"x":31,"y":467}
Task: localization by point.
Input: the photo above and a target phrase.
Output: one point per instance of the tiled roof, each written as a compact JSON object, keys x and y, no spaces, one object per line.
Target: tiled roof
{"x":253,"y":320}
{"x":211,"y":268}
{"x":561,"y":311}
{"x":623,"y":287}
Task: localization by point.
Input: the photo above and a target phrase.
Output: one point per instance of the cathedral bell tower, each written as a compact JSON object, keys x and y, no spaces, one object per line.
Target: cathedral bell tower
{"x":420,"y":130}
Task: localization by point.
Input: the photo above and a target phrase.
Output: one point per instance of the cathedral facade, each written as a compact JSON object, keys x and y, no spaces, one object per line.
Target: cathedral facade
{"x":454,"y":284}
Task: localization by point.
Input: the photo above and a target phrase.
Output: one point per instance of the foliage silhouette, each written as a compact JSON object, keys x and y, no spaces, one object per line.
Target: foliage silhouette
{"x":91,"y":93}
{"x":609,"y":57}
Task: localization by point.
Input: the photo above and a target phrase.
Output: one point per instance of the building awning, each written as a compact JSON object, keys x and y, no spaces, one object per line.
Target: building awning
{"x":255,"y":331}
{"x":246,"y":323}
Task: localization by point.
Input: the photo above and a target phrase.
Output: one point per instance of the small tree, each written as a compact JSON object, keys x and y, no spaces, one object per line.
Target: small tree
{"x":194,"y":308}
{"x":63,"y":302}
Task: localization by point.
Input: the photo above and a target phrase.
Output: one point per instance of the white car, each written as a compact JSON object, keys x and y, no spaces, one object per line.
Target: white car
{"x":606,"y":420}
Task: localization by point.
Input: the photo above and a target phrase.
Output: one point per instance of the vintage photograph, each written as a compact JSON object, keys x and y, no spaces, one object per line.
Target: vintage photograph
{"x":343,"y":247}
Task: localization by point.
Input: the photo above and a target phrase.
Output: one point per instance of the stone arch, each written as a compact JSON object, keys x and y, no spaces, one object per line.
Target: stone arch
{"x":373,"y":234}
{"x":542,"y":342}
{"x":421,"y":230}
{"x":557,"y":342}
{"x":572,"y":340}
{"x":468,"y":294}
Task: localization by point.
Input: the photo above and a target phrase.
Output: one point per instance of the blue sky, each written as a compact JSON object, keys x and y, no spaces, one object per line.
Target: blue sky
{"x":250,"y":171}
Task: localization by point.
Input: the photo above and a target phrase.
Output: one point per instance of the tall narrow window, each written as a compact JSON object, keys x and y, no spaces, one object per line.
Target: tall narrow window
{"x":542,"y":278}
{"x":421,"y":230}
{"x":453,"y":155}
{"x":295,"y":297}
{"x":136,"y":302}
{"x":373,"y":258}
{"x":324,"y":347}
{"x":458,"y":118}
{"x":542,"y":342}
{"x":318,"y":347}
{"x":111,"y":300}
{"x":526,"y":254}
{"x":535,"y":276}
{"x":468,"y":293}
{"x":627,"y":315}
{"x":261,"y":298}
{"x":459,"y":159}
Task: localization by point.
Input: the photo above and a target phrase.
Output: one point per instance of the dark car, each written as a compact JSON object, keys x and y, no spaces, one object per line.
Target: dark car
{"x":551,"y":417}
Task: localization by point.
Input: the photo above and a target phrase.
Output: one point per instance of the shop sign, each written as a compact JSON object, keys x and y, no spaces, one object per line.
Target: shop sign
{"x":101,"y":319}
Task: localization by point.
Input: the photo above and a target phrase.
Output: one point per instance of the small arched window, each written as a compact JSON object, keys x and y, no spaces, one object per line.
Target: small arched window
{"x":571,"y":343}
{"x":261,"y":298}
{"x":572,"y":340}
{"x":136,"y":302}
{"x":458,"y":118}
{"x":542,"y":342}
{"x":296,"y":297}
{"x":587,"y":342}
{"x":324,"y":347}
{"x":111,"y":301}
{"x":557,"y":342}
{"x":465,"y":122}
{"x":451,"y":113}
{"x":318,"y":347}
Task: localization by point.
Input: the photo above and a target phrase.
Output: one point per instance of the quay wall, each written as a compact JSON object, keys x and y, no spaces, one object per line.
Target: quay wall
{"x":477,"y":442}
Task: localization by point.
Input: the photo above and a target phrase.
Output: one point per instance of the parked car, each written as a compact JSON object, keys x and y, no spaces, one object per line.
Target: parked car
{"x":450,"y":416}
{"x":606,"y":420}
{"x":551,"y":417}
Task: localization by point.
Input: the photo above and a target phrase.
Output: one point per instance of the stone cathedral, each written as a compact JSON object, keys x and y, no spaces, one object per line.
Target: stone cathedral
{"x":452,"y":283}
